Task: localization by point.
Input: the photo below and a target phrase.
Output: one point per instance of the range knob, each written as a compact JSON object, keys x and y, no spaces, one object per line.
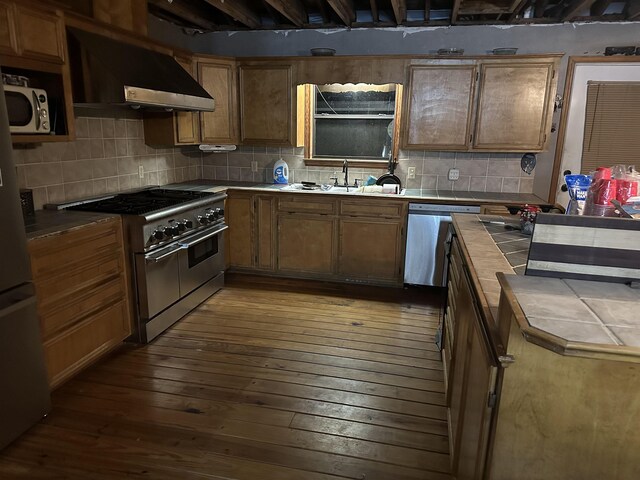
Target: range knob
{"x":187,"y":223}
{"x":220,"y":211}
{"x":172,"y":230}
{"x":211,"y":216}
{"x":181,"y":226}
{"x":158,"y":234}
{"x":202,"y":220}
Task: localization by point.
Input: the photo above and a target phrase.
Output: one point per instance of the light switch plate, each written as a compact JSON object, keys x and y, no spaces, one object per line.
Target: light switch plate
{"x":140,"y":171}
{"x":254,"y":166}
{"x":411,"y":172}
{"x":454,"y":174}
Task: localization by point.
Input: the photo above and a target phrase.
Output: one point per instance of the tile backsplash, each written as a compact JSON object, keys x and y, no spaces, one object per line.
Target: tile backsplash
{"x":485,"y":172}
{"x":105,"y":157}
{"x":109,"y":150}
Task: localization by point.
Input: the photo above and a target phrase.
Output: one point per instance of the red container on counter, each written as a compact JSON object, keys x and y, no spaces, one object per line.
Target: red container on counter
{"x":602,"y":173}
{"x":626,"y":189}
{"x":604,"y":191}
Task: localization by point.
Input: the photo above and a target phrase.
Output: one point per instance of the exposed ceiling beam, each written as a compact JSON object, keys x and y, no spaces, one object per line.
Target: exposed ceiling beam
{"x":293,"y":10}
{"x":632,"y":9}
{"x":399,"y":10}
{"x":575,"y":7}
{"x":184,"y":10}
{"x":541,"y":6}
{"x":345,"y":10}
{"x":454,"y":11}
{"x":238,"y":10}
{"x":599,"y":7}
{"x":427,"y":10}
{"x":523,"y":5}
{"x":374,"y":11}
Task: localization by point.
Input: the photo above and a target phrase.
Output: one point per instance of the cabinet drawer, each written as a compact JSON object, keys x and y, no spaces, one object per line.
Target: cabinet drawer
{"x":303,"y":204}
{"x":372,"y":209}
{"x":69,"y":310}
{"x":80,"y":345}
{"x":40,"y":34}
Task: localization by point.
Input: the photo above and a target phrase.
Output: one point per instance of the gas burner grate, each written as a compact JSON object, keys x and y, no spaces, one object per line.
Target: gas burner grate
{"x":140,"y":203}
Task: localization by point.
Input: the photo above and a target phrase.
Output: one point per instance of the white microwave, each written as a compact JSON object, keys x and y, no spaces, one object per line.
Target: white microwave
{"x":28,"y":109}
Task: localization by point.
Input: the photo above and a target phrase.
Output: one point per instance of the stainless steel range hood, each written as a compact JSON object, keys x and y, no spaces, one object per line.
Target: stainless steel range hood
{"x":108,"y":72}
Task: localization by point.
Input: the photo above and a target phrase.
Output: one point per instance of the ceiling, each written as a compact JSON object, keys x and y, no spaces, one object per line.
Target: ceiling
{"x":215,"y":15}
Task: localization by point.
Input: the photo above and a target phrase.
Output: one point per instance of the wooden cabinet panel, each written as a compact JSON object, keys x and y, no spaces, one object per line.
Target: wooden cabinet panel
{"x":264,"y":205}
{"x":238,"y":214}
{"x":370,"y":249}
{"x":362,"y":208}
{"x":267,"y":105}
{"x":306,"y":244}
{"x":307,"y":204}
{"x":439,"y":106}
{"x":514,"y":106}
{"x":80,"y":278}
{"x":40,"y":34}
{"x":218,"y":79}
{"x":8,"y":43}
{"x":187,"y":123}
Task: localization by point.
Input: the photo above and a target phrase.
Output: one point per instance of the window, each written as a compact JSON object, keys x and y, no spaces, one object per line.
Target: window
{"x":612,"y":125}
{"x":356,"y":122}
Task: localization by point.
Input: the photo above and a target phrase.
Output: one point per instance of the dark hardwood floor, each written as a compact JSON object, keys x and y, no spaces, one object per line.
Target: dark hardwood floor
{"x":268,"y":380}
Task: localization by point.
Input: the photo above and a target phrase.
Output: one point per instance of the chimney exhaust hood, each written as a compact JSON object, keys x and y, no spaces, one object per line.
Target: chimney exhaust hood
{"x":108,"y":72}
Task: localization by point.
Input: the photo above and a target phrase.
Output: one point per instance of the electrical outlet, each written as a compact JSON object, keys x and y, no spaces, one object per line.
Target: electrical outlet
{"x":254,"y":166}
{"x":454,"y":174}
{"x":140,"y":171}
{"x":411,"y":172}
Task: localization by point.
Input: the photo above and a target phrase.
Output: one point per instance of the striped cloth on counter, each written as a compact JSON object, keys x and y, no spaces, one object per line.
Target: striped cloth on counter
{"x":585,"y":248}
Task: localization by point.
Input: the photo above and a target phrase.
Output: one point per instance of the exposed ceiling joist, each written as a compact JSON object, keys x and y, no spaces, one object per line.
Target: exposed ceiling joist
{"x":632,"y":9}
{"x":238,"y":10}
{"x":184,"y":10}
{"x":599,"y":7}
{"x":293,"y":10}
{"x":345,"y":10}
{"x":454,"y":11}
{"x":399,"y":10}
{"x":374,"y":10}
{"x":576,"y":7}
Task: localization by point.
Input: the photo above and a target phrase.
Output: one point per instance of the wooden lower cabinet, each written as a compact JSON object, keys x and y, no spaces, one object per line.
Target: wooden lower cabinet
{"x":317,"y":236}
{"x":80,"y":277}
{"x":306,"y":244}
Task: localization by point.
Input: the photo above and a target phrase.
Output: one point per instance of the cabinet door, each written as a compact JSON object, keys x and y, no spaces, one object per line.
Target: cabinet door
{"x":266,"y":105}
{"x":480,"y":378}
{"x":218,"y":79}
{"x":306,"y":244}
{"x":187,"y":123}
{"x":238,"y":214}
{"x":8,"y":44}
{"x":264,"y":208}
{"x":438,"y":107}
{"x":40,"y":34}
{"x":371,"y":249}
{"x":514,"y":106}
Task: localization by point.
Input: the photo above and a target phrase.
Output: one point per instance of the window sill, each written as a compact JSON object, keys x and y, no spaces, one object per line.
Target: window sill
{"x":317,"y":162}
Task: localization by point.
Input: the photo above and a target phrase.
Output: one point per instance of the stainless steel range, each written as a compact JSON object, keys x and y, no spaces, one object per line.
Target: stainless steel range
{"x":177,"y":247}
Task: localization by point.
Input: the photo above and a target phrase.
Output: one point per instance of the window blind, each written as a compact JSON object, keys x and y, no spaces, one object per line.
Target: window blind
{"x":612,"y":125}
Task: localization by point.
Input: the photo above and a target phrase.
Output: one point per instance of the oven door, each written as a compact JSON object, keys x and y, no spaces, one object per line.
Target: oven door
{"x":201,"y":258}
{"x":157,"y":280}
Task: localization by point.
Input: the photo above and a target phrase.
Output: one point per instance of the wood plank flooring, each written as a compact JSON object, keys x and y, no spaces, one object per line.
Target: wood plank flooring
{"x":268,"y":380}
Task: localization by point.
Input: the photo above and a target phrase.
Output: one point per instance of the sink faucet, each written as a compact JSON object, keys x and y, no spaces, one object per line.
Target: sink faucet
{"x":345,"y":170}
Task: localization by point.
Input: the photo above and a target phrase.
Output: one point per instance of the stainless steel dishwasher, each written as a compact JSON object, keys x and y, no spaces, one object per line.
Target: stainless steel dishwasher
{"x":426,"y":236}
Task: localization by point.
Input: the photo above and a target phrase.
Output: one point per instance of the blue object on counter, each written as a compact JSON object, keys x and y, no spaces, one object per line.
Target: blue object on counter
{"x":281,"y":172}
{"x":371,"y":180}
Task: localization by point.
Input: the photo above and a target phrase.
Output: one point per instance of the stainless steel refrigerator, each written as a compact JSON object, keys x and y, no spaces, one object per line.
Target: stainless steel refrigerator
{"x":24,"y":390}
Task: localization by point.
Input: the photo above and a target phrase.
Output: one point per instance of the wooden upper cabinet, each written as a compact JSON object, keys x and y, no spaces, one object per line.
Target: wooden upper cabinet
{"x":438,"y":108}
{"x":8,"y":42}
{"x":218,"y":78}
{"x":39,"y":34}
{"x":267,"y":105}
{"x":514,"y":106}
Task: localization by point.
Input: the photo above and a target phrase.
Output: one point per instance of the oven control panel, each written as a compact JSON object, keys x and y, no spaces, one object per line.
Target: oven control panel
{"x":172,"y":229}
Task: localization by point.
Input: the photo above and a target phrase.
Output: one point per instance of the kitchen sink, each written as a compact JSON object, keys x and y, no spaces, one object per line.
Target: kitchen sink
{"x":350,"y":190}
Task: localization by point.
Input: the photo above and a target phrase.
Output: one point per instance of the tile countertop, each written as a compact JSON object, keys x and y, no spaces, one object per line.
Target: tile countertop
{"x":577,"y":317}
{"x":51,"y":222}
{"x":410,"y":194}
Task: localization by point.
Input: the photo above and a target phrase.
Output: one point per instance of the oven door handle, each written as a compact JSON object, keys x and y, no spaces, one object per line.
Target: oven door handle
{"x":157,"y":258}
{"x":202,"y":237}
